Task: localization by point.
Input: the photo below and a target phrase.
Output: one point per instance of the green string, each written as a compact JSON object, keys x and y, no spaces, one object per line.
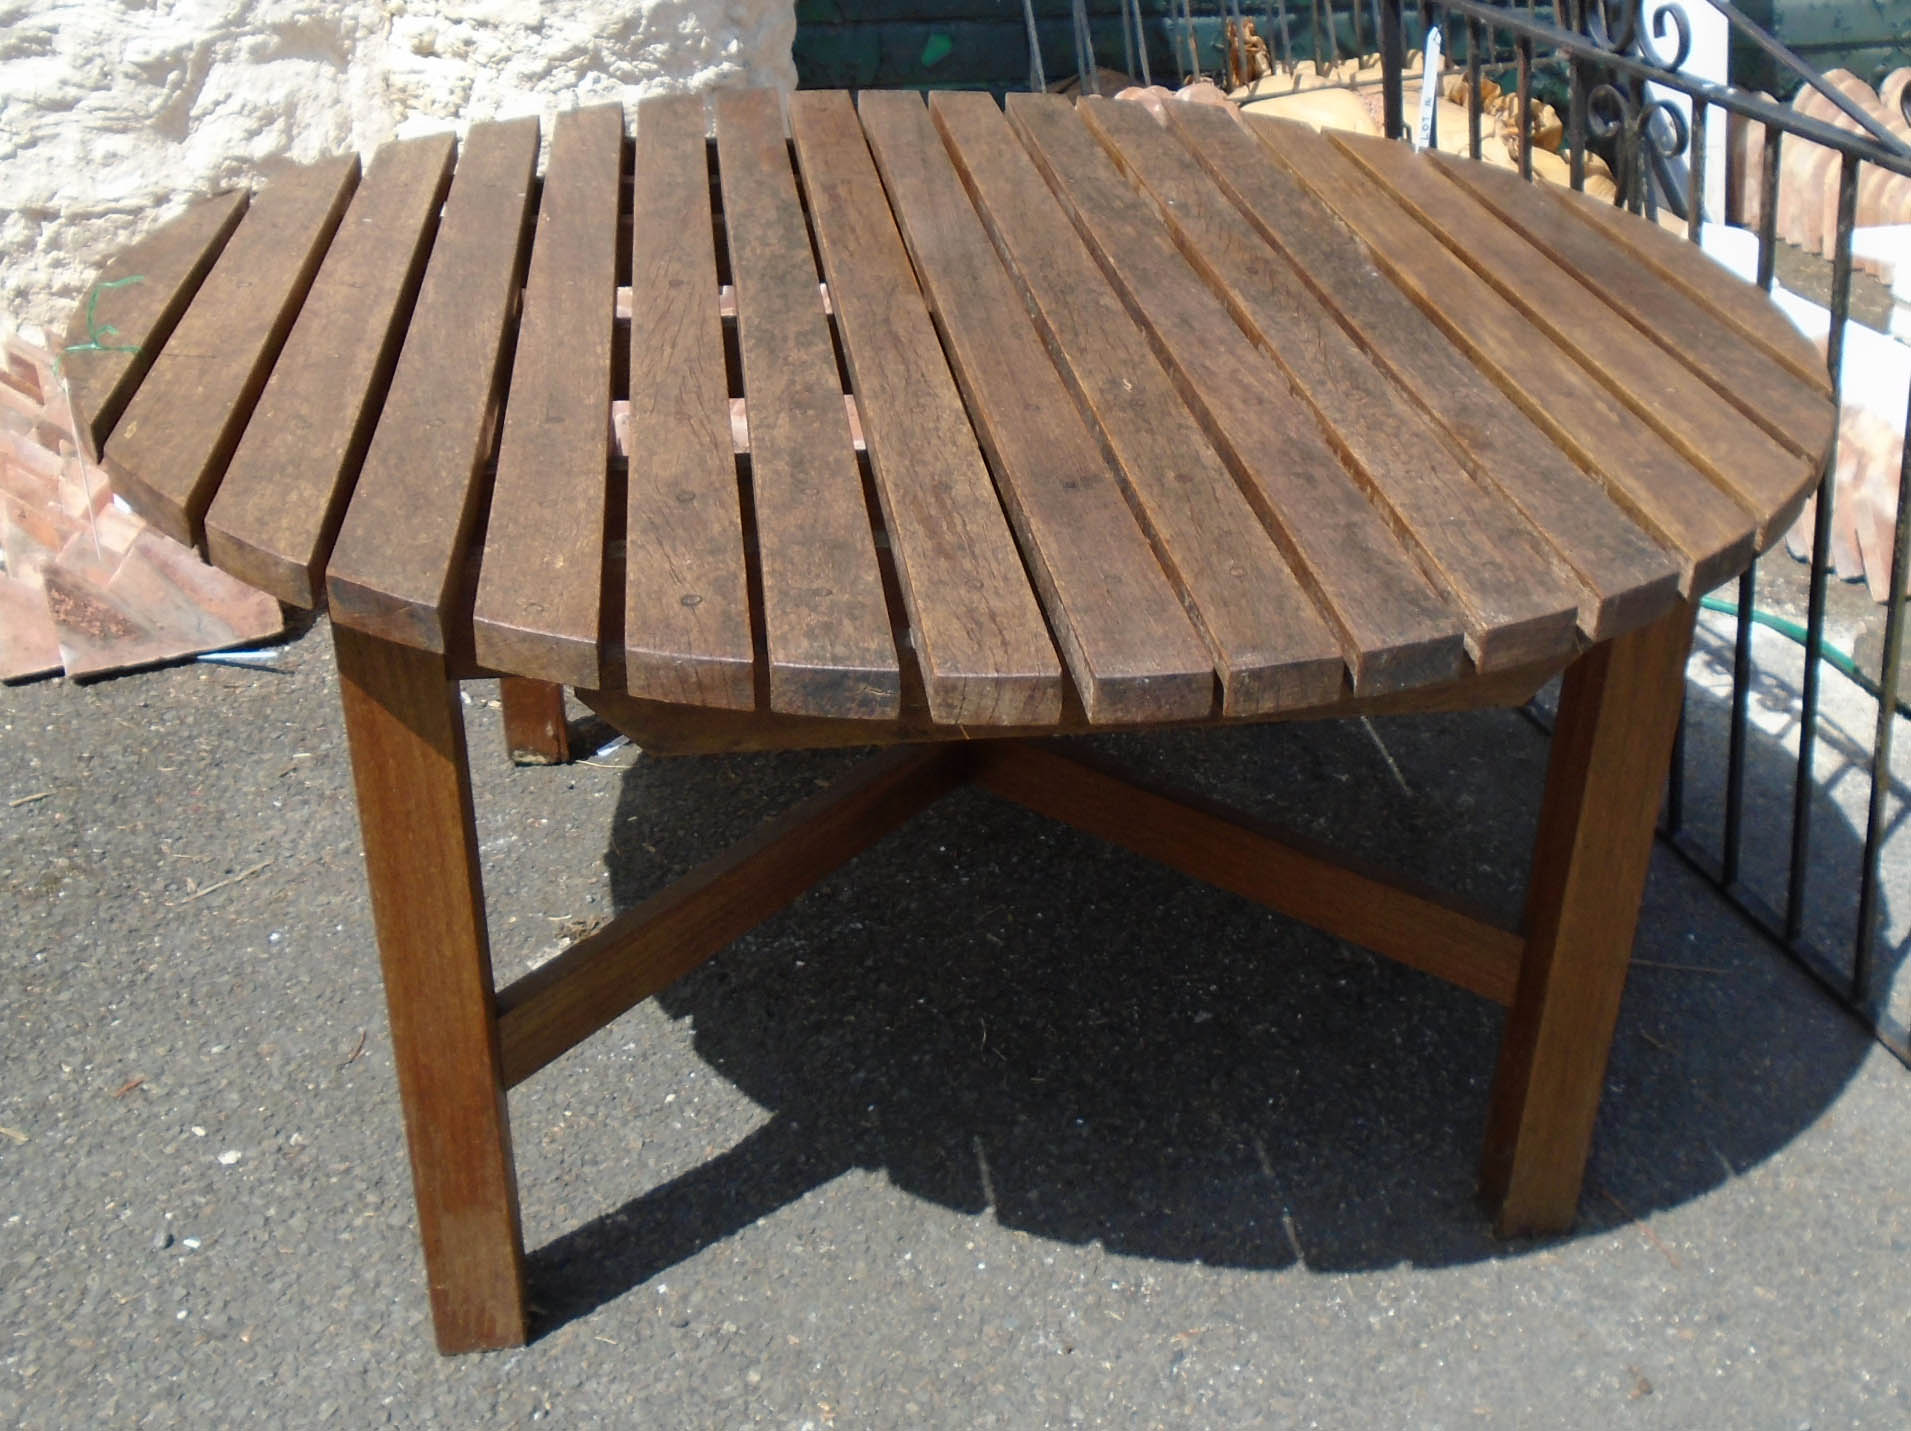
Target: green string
{"x":94,"y":330}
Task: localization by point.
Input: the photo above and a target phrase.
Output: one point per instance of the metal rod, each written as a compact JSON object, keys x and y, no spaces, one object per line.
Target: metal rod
{"x":1473,"y":28}
{"x":1804,"y":785}
{"x":1576,"y":121}
{"x":1141,"y":44}
{"x":1695,"y":174}
{"x":1779,"y":51}
{"x":1038,"y":80}
{"x":1525,"y":47}
{"x":1881,"y":737}
{"x":1393,"y":64}
{"x":1768,"y":211}
{"x":1739,"y":729}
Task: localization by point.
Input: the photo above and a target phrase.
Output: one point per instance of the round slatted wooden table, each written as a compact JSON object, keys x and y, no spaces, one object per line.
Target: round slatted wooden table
{"x":942,"y":428}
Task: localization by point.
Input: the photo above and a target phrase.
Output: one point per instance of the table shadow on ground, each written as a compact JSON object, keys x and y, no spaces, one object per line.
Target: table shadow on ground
{"x":1001,"y":1014}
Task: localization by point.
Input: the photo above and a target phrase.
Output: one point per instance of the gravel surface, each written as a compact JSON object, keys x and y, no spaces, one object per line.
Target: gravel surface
{"x":997,"y":1127}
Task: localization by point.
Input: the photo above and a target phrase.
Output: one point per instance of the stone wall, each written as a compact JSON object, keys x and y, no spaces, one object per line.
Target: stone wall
{"x":114,"y":112}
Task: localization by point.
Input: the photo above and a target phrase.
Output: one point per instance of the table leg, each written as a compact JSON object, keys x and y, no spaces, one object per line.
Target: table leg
{"x":534,"y":729}
{"x":406,"y":729}
{"x":1617,"y":712}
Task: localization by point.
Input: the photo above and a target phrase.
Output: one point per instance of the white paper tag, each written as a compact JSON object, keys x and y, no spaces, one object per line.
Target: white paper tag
{"x":1429,"y":91}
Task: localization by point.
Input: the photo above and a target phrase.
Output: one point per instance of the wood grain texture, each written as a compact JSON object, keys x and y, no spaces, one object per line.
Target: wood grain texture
{"x":1270,"y":647}
{"x":1395,"y":629}
{"x":1768,"y":481}
{"x":1624,"y":578}
{"x":1795,"y":413}
{"x":1639,"y":470}
{"x":399,"y":565}
{"x":686,"y":594}
{"x":1129,"y":645}
{"x":130,"y":310}
{"x":648,"y":948}
{"x":831,"y":651}
{"x":985,"y":654}
{"x":284,"y":493}
{"x":1618,"y":709}
{"x":1470,"y":541}
{"x":535,"y":731}
{"x":170,"y":448}
{"x":1283,"y":871}
{"x":405,"y":727}
{"x":541,"y":588}
{"x":662,"y":728}
{"x":1683,"y":263}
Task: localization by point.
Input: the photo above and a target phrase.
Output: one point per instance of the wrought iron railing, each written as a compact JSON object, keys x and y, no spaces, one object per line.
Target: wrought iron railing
{"x":1611,"y":56}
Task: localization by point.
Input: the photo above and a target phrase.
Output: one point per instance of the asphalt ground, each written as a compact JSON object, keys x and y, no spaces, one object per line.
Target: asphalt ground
{"x":996,"y":1127}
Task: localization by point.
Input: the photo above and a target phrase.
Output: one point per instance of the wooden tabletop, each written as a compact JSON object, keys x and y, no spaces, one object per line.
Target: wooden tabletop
{"x":816,"y":407}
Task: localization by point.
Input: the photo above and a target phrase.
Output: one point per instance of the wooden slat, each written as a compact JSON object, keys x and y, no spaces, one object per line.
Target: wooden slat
{"x":686,"y":595}
{"x":541,"y":588}
{"x":400,"y":559}
{"x":1129,"y":645}
{"x":1685,"y":264}
{"x":985,"y":655}
{"x":648,"y":948}
{"x":831,"y":651}
{"x":1623,"y":577}
{"x":126,"y":316}
{"x":170,"y":448}
{"x":1792,"y":411}
{"x":1279,"y":869}
{"x":284,"y":493}
{"x":1512,"y":594}
{"x":1639,"y":470}
{"x":1269,"y":645}
{"x":665,"y":728}
{"x":1768,"y":481}
{"x":1395,"y":630}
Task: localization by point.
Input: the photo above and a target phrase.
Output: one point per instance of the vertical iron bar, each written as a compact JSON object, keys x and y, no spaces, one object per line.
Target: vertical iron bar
{"x":1473,"y":87}
{"x":1768,"y":212}
{"x":1695,"y":173}
{"x":1037,"y":80}
{"x":1393,"y":64}
{"x":1576,"y":118}
{"x":1820,"y":546}
{"x":1360,"y":40}
{"x":1127,"y":43}
{"x":1881,"y":738}
{"x":1141,"y":44}
{"x":1734,"y":843}
{"x":1526,"y":107}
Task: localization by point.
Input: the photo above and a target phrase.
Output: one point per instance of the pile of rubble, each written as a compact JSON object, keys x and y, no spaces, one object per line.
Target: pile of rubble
{"x":86,"y":587}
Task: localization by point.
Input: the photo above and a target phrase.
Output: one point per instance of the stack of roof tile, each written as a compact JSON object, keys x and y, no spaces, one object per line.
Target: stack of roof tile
{"x":87,"y":587}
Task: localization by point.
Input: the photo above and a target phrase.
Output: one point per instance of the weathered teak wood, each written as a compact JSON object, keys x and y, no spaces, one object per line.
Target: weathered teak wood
{"x":1130,"y":647}
{"x":125,"y":318}
{"x":686,"y":595}
{"x":541,"y":584}
{"x":1625,"y":579}
{"x":663,"y":728}
{"x":1792,"y":411}
{"x":535,"y":731}
{"x":1617,"y":713}
{"x":825,"y":623}
{"x":1138,"y":383}
{"x":1515,"y":601}
{"x":1640,"y":470}
{"x":648,"y":948}
{"x":985,"y":655}
{"x":1768,"y":482}
{"x":170,"y":448}
{"x":406,"y":730}
{"x":1691,"y":268}
{"x":399,"y":562}
{"x":278,"y":507}
{"x":1396,"y":630}
{"x":1270,"y":648}
{"x":1283,"y":871}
